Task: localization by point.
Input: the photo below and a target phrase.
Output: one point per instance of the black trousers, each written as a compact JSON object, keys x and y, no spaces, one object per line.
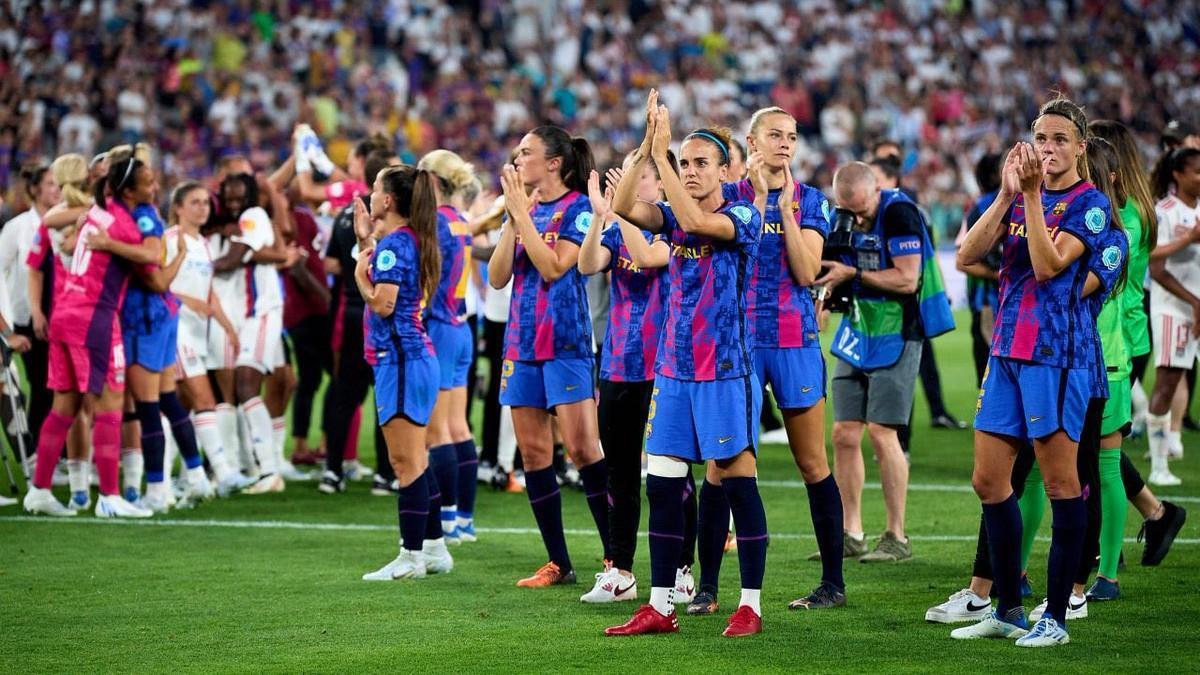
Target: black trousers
{"x":347,"y":391}
{"x":310,"y":341}
{"x":472,"y":374}
{"x":980,"y":348}
{"x":624,"y":407}
{"x":493,"y":349}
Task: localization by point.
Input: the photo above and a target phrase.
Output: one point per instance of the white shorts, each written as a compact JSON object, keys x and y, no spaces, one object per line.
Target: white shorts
{"x":220,"y":354}
{"x":1174,"y":346}
{"x":261,"y":339}
{"x":191,"y":345}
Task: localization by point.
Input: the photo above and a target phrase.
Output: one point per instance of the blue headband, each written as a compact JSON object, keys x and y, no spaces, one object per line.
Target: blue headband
{"x":712,"y":137}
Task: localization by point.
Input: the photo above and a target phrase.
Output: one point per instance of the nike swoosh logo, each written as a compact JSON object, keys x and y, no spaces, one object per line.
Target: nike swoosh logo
{"x":725,"y":440}
{"x":572,"y":387}
{"x":1074,"y":607}
{"x":972,"y":607}
{"x":688,"y":590}
{"x":805,"y":390}
{"x":1037,"y":418}
{"x":618,"y":591}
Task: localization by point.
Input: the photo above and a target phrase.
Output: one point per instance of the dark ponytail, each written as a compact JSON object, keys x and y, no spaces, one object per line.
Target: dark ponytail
{"x":416,"y":201}
{"x":1166,"y":167}
{"x":577,"y":160}
{"x":121,"y":176}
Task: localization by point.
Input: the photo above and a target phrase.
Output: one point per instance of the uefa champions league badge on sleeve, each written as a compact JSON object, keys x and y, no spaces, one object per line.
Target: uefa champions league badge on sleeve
{"x":825,"y":209}
{"x":742,"y":213}
{"x":386,"y":261}
{"x":1111,"y":257}
{"x":145,"y":224}
{"x":583,"y":222}
{"x":1095,"y":220}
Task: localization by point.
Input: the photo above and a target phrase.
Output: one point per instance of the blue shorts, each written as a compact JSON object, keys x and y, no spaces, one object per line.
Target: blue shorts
{"x":546,"y":384}
{"x":1030,"y":401}
{"x":796,"y":375}
{"x":453,"y":347}
{"x":703,"y":421}
{"x":154,"y":351}
{"x":407,"y":388}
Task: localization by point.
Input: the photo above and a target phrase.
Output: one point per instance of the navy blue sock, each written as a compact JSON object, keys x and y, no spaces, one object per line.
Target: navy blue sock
{"x":595,"y":486}
{"x":665,"y":497}
{"x":412,"y":505}
{"x":153,"y":444}
{"x":433,"y":522}
{"x":546,"y":501}
{"x":1066,"y":545}
{"x":181,"y":429}
{"x":687,"y":557}
{"x":825,"y":505}
{"x":444,"y":463}
{"x":1003,"y":523}
{"x":468,"y":462}
{"x":750,"y":519}
{"x":712,"y":528}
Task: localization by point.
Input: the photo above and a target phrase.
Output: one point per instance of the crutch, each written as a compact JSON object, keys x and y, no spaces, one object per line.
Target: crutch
{"x":18,"y":427}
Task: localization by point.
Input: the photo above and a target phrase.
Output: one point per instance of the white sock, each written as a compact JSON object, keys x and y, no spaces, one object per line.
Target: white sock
{"x":227,"y":428}
{"x":1175,"y":440}
{"x":132,"y":467}
{"x":751,"y":597}
{"x":660,"y":600}
{"x":196,"y":475}
{"x":506,"y":446}
{"x":463,"y":522}
{"x":1141,"y":404}
{"x":258,"y":423}
{"x":279,"y":438}
{"x":856,"y":536}
{"x":1156,"y":433}
{"x":77,"y":474}
{"x":154,"y":490}
{"x":449,"y":518}
{"x":209,"y":438}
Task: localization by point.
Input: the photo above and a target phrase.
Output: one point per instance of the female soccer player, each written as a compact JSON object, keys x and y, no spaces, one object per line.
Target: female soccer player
{"x":706,"y":399}
{"x":396,"y":276}
{"x":548,"y":339}
{"x":636,"y":261}
{"x":1042,"y":372}
{"x":451,"y":446}
{"x":86,"y":355}
{"x":784,"y":333}
{"x":1174,"y":304}
{"x":189,"y":210}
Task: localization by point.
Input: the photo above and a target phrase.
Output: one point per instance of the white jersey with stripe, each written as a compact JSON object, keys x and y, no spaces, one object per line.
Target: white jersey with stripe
{"x":1175,"y":221}
{"x":264,"y":289}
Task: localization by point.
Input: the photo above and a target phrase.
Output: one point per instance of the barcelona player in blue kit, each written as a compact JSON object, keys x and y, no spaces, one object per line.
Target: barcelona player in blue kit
{"x":451,"y":446}
{"x":1042,"y":372}
{"x":397,"y":271}
{"x":706,"y":399}
{"x":787,"y":351}
{"x":548,"y":340}
{"x":635,"y":261}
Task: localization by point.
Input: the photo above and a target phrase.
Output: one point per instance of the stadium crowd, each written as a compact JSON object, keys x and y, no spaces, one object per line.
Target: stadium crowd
{"x":247,"y":198}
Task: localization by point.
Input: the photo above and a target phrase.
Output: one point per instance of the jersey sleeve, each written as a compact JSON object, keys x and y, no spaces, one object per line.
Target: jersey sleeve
{"x":611,"y":240}
{"x":148,"y":222}
{"x":1107,"y":266}
{"x":747,"y":223}
{"x":1087,"y":218}
{"x":902,"y":227}
{"x":576,"y":222}
{"x":40,"y":249}
{"x":390,"y":260}
{"x":256,"y":231}
{"x":814,"y":210}
{"x":1166,"y":231}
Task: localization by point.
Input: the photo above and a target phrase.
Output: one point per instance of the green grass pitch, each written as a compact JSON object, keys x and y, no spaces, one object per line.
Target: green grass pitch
{"x":271,"y":584}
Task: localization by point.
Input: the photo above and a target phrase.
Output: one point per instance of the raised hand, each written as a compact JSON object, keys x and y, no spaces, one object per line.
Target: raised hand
{"x":651,"y":118}
{"x":362,"y":220}
{"x":756,"y":172}
{"x":662,"y":133}
{"x":787,"y":193}
{"x":601,"y":201}
{"x":515,"y":199}
{"x":1030,"y":170}
{"x":1010,"y":181}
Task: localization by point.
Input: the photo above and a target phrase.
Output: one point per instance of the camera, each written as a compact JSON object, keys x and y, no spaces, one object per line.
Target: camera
{"x":838,"y":245}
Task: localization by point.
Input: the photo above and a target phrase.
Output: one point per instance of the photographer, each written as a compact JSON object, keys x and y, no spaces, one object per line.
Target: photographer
{"x":879,"y":250}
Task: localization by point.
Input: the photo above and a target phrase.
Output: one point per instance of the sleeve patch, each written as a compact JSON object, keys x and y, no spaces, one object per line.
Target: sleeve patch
{"x":386,"y":261}
{"x":1111,"y":257}
{"x":742,"y":213}
{"x":145,"y":224}
{"x":583,"y":221}
{"x":1095,"y":220}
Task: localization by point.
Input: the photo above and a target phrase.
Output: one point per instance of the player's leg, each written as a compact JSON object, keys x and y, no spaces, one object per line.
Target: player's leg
{"x":570,"y":390}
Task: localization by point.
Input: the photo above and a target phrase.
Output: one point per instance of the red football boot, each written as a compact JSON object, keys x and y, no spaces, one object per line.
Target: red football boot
{"x":743,"y":622}
{"x":645,"y":621}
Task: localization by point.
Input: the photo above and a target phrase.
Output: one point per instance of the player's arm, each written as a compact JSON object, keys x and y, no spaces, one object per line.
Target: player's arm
{"x":902,"y":278}
{"x":989,"y":230}
{"x":551,"y":263}
{"x":803,"y":246}
{"x":146,"y":252}
{"x":1047,"y":256}
{"x":308,"y":282}
{"x":381,"y":297}
{"x":158,"y":278}
{"x":593,"y":256}
{"x":1159,"y":272}
{"x":218,"y":312}
{"x":58,"y":218}
{"x":1167,"y":249}
{"x":644,"y":254}
{"x":233,"y":258}
{"x":625,"y":203}
{"x":35,"y":302}
{"x":692,"y":219}
{"x":283,"y":175}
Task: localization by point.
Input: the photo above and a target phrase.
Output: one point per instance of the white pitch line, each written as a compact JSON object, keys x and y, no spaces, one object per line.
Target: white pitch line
{"x":946,"y":487}
{"x":360,"y":527}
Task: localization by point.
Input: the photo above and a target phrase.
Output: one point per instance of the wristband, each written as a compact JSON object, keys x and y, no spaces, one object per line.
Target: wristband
{"x":858,"y":276}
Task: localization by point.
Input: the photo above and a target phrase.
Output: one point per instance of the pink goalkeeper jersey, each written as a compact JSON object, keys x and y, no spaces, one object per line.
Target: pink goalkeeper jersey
{"x":86,"y":312}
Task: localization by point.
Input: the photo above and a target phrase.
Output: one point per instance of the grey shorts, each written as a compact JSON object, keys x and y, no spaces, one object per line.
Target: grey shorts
{"x":883,"y":396}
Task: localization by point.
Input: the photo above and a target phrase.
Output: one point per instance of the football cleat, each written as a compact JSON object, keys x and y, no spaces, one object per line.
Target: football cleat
{"x":42,"y":501}
{"x":704,"y":603}
{"x":382,"y":487}
{"x":611,"y":586}
{"x":1076,"y":608}
{"x":155,"y":501}
{"x":466,"y":532}
{"x":271,"y":482}
{"x":548,"y":575}
{"x":81,"y":500}
{"x":113,"y":506}
{"x":745,"y":621}
{"x":646,"y":621}
{"x":1164,"y":478}
{"x":290,"y":472}
{"x":234,"y":482}
{"x":961,"y":607}
{"x":197,"y":491}
{"x":407,"y":565}
{"x":331,"y":483}
{"x":1103,"y":590}
{"x":437,"y":556}
{"x":1012,"y":626}
{"x":1160,"y":534}
{"x":685,"y":586}
{"x":824,"y":596}
{"x":1045,"y":633}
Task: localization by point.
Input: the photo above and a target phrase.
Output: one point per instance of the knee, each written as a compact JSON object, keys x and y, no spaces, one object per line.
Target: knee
{"x":408,"y":466}
{"x":535,"y":455}
{"x":813,"y":465}
{"x":846,"y":437}
{"x":883,"y":438}
{"x":1062,"y":487}
{"x":991,"y":489}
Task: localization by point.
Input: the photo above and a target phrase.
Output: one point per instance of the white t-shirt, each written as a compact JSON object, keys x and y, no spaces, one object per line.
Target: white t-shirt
{"x":195,"y":276}
{"x":15,"y":241}
{"x":1175,"y":221}
{"x":495,"y":302}
{"x":264,"y":291}
{"x":230,"y":287}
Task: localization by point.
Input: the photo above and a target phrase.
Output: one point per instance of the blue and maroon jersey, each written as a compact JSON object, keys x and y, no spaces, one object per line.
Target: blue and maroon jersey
{"x":550,"y":320}
{"x":400,"y":336}
{"x":705,"y":334}
{"x":449,"y":303}
{"x":1049,"y":322}
{"x":781,"y":311}
{"x":638,"y":298}
{"x":145,"y":310}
